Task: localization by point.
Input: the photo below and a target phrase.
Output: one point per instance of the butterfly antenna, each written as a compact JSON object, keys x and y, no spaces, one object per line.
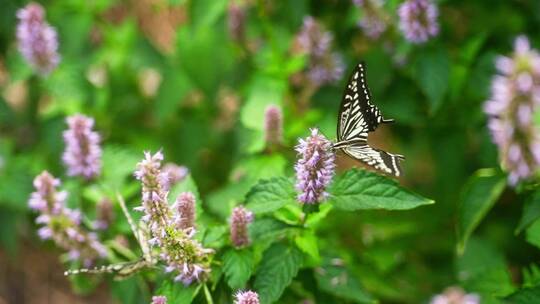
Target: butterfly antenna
{"x":387,"y":120}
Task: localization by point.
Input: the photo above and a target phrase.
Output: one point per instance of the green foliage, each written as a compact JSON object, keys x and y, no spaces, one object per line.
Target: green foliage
{"x":360,"y":189}
{"x":237,"y":265}
{"x":278,"y":267}
{"x":479,"y":195}
{"x":193,"y":79}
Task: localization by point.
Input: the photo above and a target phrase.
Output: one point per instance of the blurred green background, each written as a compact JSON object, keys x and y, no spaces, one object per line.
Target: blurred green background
{"x":172,"y":75}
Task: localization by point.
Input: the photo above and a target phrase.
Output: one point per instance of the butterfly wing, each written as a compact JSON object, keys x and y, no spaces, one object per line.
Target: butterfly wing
{"x":378,"y":159}
{"x":357,"y":116}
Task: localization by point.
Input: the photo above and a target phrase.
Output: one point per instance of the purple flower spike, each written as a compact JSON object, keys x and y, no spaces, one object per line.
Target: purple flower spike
{"x":373,"y":21}
{"x":37,"y":40}
{"x":515,"y":93}
{"x":184,"y":209}
{"x":315,"y":168}
{"x":324,"y":65}
{"x":62,"y":224}
{"x":246,"y":297}
{"x":175,"y":174}
{"x":176,"y":246}
{"x":418,"y":20}
{"x":82,"y":155}
{"x":240,"y":218}
{"x":159,"y":300}
{"x":273,"y":125}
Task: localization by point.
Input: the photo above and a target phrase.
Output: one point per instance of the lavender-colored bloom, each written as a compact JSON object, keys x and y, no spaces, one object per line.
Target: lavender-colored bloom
{"x":177,"y":248}
{"x":515,"y":95}
{"x":240,"y":218}
{"x":184,"y":210}
{"x":324,"y":65}
{"x":61,"y":224}
{"x":174,"y":174}
{"x":236,"y":20}
{"x":374,"y":19}
{"x":37,"y":40}
{"x":82,"y":155}
{"x":455,"y":295}
{"x":418,"y":20}
{"x":273,"y":125}
{"x":315,"y":168}
{"x":159,"y":300}
{"x":246,"y":297}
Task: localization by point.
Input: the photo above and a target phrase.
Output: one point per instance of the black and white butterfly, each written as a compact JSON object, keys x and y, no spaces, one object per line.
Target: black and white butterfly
{"x":357,"y":117}
{"x":125,"y":269}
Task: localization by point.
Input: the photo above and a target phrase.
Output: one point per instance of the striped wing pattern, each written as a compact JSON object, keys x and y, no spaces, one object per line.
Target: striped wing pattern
{"x":357,"y":117}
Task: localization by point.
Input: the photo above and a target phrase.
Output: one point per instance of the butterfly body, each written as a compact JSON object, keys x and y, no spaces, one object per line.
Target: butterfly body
{"x":357,"y":117}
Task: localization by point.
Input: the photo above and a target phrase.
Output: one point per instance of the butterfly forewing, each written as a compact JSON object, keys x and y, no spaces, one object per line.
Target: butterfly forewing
{"x":357,"y":117}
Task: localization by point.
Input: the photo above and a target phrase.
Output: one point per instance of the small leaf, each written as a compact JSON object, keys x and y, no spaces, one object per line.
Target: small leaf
{"x":338,"y":281}
{"x":533,"y":234}
{"x":177,"y":292}
{"x":270,"y":195}
{"x":237,"y":265}
{"x":307,"y":242}
{"x":531,"y":211}
{"x":279,"y":266}
{"x":482,"y":268}
{"x":361,"y":189}
{"x":479,"y":195}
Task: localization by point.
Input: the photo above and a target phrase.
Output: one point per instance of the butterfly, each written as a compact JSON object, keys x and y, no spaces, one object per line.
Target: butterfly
{"x":125,"y":269}
{"x":357,"y":117}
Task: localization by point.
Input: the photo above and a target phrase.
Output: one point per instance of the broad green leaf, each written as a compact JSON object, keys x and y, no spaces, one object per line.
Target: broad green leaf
{"x":266,"y":227}
{"x":307,"y":242}
{"x":270,"y":195}
{"x":237,"y":265}
{"x":177,"y":292}
{"x":432,"y":74}
{"x":361,"y":189}
{"x":482,"y":268}
{"x":532,"y":234}
{"x":176,"y":84}
{"x":525,"y":296}
{"x":335,"y":279}
{"x":479,"y":195}
{"x":278,"y":267}
{"x":531,"y":211}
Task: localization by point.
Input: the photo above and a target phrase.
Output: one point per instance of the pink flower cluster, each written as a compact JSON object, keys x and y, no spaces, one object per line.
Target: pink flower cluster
{"x":177,"y":247}
{"x":515,"y":97}
{"x":61,"y":224}
{"x":82,"y":155}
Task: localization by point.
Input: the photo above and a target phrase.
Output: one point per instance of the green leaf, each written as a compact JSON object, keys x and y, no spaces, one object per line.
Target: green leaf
{"x":270,"y":195}
{"x":432,"y":74}
{"x":361,"y":189}
{"x":525,"y":296}
{"x":531,"y":211}
{"x":238,"y":265}
{"x":482,"y":268}
{"x":307,"y":242}
{"x":533,"y":234}
{"x":114,"y":176}
{"x":264,"y":91}
{"x":177,"y":293}
{"x":479,"y":195}
{"x":266,"y":228}
{"x":279,"y":266}
{"x":336,"y":280}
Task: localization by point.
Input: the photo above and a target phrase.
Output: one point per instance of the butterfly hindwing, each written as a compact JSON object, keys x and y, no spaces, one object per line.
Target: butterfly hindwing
{"x":380,"y":160}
